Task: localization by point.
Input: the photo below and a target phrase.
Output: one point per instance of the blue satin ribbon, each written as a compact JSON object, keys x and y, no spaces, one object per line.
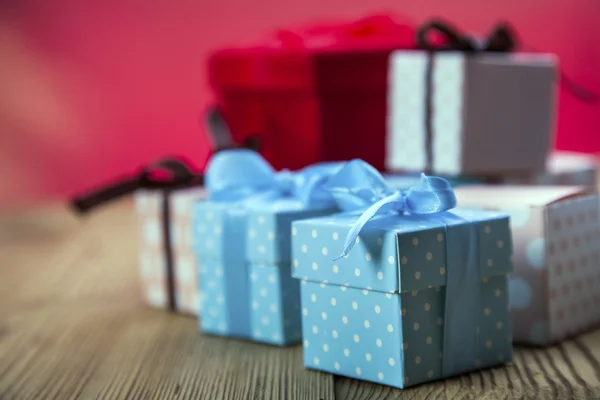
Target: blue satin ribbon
{"x":240,"y":175}
{"x":358,"y":188}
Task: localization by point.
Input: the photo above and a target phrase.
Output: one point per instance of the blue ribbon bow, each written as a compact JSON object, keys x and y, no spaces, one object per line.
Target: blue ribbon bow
{"x":358,"y":187}
{"x":240,"y":174}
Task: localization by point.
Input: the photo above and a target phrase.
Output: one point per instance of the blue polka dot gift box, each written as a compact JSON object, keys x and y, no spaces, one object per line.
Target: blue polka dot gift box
{"x":554,"y":290}
{"x":242,"y":237}
{"x":402,"y":288}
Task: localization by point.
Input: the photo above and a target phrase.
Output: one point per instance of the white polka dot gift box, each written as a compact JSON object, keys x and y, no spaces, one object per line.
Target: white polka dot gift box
{"x":168,"y":285}
{"x":419,"y":292}
{"x":458,"y":113}
{"x":242,"y":236}
{"x":556,"y":234}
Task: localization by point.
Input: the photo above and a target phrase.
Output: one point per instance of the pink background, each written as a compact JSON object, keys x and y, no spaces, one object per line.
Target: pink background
{"x":92,"y":90}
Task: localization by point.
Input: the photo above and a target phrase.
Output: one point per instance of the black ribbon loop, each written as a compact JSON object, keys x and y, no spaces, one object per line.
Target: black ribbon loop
{"x":500,"y":39}
{"x":167,"y":173}
{"x":177,"y":171}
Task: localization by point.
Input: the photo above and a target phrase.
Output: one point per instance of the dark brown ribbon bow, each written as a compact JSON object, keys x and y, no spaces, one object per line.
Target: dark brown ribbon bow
{"x":166,"y":174}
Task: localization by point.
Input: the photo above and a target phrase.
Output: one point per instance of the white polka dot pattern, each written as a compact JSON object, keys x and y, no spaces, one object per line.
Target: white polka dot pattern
{"x":253,"y":296}
{"x":370,"y":331}
{"x":152,"y":232}
{"x":406,"y":114}
{"x":573,"y":257}
{"x":421,"y":245}
{"x":554,"y":287}
{"x":275,"y":314}
{"x":448,"y":91}
{"x":269,"y":239}
{"x":527,"y":283}
{"x":208,"y":217}
{"x":406,"y":109}
{"x":395,"y":348}
{"x":215,"y":317}
{"x":152,"y":257}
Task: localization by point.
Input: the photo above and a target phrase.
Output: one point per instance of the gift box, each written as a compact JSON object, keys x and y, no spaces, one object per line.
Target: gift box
{"x":475,"y":112}
{"x":241,"y":235}
{"x":167,"y":260}
{"x":419,"y":297}
{"x":312,"y":94}
{"x":556,"y":231}
{"x":563,"y":168}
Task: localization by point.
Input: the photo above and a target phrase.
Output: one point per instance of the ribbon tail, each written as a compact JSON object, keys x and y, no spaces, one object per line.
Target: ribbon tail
{"x":82,"y":204}
{"x":365,"y":217}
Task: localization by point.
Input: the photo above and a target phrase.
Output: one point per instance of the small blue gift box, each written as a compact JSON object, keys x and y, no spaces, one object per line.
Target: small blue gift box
{"x":242,"y":239}
{"x":416,"y":297}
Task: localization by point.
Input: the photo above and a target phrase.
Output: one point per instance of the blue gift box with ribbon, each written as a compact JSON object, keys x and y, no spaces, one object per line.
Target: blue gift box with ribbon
{"x":418,"y":290}
{"x":242,"y":239}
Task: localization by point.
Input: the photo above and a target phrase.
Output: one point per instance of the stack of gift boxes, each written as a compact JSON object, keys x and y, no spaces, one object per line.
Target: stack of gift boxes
{"x":398,"y":278}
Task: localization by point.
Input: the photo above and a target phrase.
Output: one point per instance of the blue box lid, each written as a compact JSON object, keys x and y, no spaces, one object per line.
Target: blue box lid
{"x":261,"y":229}
{"x":394,"y":253}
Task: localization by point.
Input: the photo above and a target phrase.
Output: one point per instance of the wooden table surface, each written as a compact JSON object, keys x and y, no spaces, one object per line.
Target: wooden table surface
{"x":72,"y":326}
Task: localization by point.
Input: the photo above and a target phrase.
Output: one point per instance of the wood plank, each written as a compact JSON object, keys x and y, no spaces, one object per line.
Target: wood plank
{"x":164,"y":356}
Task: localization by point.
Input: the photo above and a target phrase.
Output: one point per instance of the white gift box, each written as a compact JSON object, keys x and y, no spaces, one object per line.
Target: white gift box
{"x":491,"y":113}
{"x":556,"y":233}
{"x":154,"y":268}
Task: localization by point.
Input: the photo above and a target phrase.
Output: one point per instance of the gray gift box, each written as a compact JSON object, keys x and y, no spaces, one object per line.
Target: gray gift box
{"x":490,"y":113}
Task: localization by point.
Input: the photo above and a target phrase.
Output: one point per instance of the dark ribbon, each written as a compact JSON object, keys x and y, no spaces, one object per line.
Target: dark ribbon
{"x":500,"y":40}
{"x":166,"y":175}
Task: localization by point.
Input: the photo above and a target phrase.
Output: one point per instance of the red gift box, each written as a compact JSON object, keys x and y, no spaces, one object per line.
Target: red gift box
{"x":318,"y":94}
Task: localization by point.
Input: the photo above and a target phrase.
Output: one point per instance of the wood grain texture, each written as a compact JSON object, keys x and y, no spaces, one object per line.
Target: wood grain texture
{"x":72,"y":327}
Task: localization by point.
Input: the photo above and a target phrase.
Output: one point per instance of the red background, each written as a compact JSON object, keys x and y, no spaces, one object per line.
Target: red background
{"x":98,"y":88}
